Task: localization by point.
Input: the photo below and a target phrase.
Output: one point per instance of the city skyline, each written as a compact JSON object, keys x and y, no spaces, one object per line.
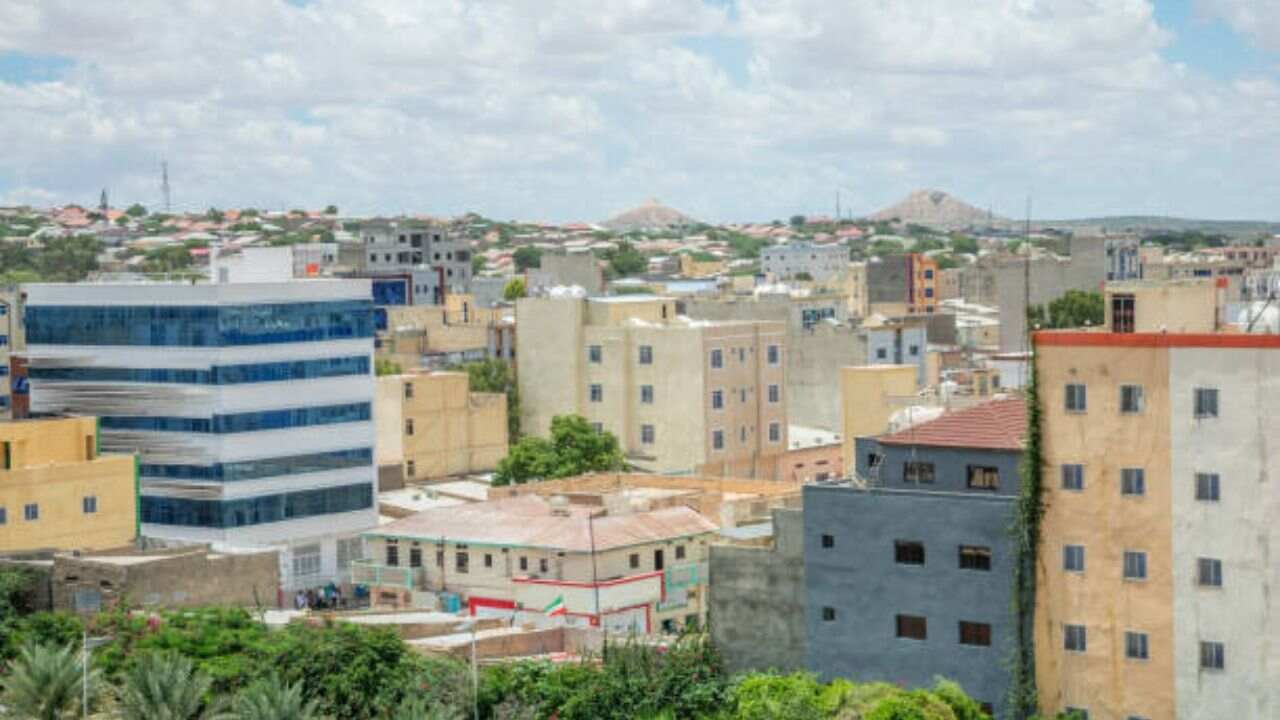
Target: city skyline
{"x":728,"y":111}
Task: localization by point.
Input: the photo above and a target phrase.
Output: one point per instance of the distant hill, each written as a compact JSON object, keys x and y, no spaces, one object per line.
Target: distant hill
{"x":937,"y":209}
{"x":1158,"y":223}
{"x":650,"y":215}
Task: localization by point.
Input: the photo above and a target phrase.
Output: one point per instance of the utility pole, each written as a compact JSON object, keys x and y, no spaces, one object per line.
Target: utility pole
{"x":1026,"y":280}
{"x":595,"y":582}
{"x":164,"y":186}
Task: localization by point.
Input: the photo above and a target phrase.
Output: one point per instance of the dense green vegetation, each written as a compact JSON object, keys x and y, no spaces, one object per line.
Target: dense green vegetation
{"x":625,"y":260}
{"x":1076,"y":308}
{"x":495,"y":376}
{"x":68,"y":259}
{"x":575,"y":447}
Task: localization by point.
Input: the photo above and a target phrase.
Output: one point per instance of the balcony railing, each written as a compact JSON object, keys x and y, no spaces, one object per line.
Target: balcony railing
{"x":364,"y":572}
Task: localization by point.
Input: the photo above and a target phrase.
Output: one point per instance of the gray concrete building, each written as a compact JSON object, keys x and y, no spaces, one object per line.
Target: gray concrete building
{"x":564,"y":268}
{"x":819,"y":262}
{"x":415,"y":260}
{"x":1051,"y":277}
{"x":908,"y":569}
{"x":757,"y":599}
{"x":897,"y":341}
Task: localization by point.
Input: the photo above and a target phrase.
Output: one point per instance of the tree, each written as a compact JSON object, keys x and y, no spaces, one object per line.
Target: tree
{"x":514,"y":289}
{"x":166,"y":686}
{"x":797,"y":221}
{"x":527,"y":257}
{"x":272,"y":699}
{"x":420,"y":709}
{"x":964,"y":244}
{"x":495,"y":376}
{"x":1076,"y":308}
{"x":625,"y":260}
{"x":136,"y":210}
{"x":575,"y":448}
{"x":215,"y":215}
{"x":386,"y":366}
{"x":68,"y":259}
{"x":330,"y":209}
{"x":477,"y":264}
{"x":44,"y":683}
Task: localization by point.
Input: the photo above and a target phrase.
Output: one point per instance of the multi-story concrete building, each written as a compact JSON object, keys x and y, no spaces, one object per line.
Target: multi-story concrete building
{"x":410,"y":263}
{"x":431,"y":426}
{"x":897,"y":341}
{"x":800,"y":259}
{"x":1155,"y":589}
{"x":58,"y":493}
{"x":1039,"y":280}
{"x":908,"y":568}
{"x":902,"y":285}
{"x":622,"y":568}
{"x":11,"y":341}
{"x":681,"y":395}
{"x":250,"y":406}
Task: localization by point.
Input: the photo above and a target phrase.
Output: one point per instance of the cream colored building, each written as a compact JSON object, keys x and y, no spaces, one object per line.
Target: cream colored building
{"x":854,"y":284}
{"x":681,"y":395}
{"x":432,"y":426}
{"x":1175,"y":306}
{"x":57,"y":492}
{"x":870,"y":395}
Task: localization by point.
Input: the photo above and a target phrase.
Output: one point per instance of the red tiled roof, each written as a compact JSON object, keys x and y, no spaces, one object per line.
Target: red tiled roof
{"x":996,"y":425}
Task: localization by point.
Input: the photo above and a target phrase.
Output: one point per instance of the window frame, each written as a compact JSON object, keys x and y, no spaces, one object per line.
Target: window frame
{"x":1077,"y":475}
{"x":1199,"y":409}
{"x":977,"y":557}
{"x":911,"y":627}
{"x":904,"y":552}
{"x":595,"y":354}
{"x":1137,"y":645}
{"x":1075,"y":398}
{"x":645,"y":355}
{"x":1214,"y":568}
{"x":1079,"y":633}
{"x":912,"y":472}
{"x":1136,"y":393}
{"x":1216,"y":655}
{"x":1211,"y":483}
{"x":1133,"y":482}
{"x":1135,"y":560}
{"x":979,"y":633}
{"x":1069,"y":551}
{"x":595,"y":392}
{"x":983,"y":471}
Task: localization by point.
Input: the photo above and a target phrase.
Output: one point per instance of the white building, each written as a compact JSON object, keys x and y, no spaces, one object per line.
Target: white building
{"x":819,"y":262}
{"x":250,"y":406}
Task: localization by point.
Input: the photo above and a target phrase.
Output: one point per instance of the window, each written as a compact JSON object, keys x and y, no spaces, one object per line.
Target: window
{"x":597,"y":426}
{"x":440,"y":559}
{"x":1207,"y":487}
{"x":1076,"y":398}
{"x":775,"y":393}
{"x":679,"y":552}
{"x":1209,"y":572}
{"x":1206,"y":402}
{"x":742,"y":395}
{"x":983,"y":478}
{"x":1133,"y":481}
{"x":828,"y":614}
{"x":917,"y":472}
{"x":1135,"y":565}
{"x":408,"y":391}
{"x":349,"y":549}
{"x":595,"y":354}
{"x":646,"y":434}
{"x":1135,"y":646}
{"x":974,"y":633}
{"x":488,"y":560}
{"x":717,"y":359}
{"x":912,"y":627}
{"x":89,"y":504}
{"x":461,"y":562}
{"x":1073,"y":477}
{"x":1213,"y":656}
{"x":908,"y":552}
{"x":634,"y":560}
{"x":410,"y":468}
{"x":4,"y":516}
{"x":306,"y":560}
{"x":742,"y":434}
{"x":975,"y":557}
{"x":1131,"y":402}
{"x":913,"y":350}
{"x":524,"y":563}
{"x":828,"y":541}
{"x":543,"y":565}
{"x":1073,"y":558}
{"x":717,"y":439}
{"x":31,"y":512}
{"x":881,"y":354}
{"x":415,"y":556}
{"x":646,"y":354}
{"x":408,"y":426}
{"x":1122,"y":314}
{"x":775,"y":432}
{"x":717,"y":399}
{"x":393,"y":554}
{"x":646,"y":394}
{"x":1074,"y":638}
{"x":597,"y":392}
{"x":774,"y":355}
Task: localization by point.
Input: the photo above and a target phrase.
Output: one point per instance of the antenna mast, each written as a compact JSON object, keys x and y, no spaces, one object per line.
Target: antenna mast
{"x":1026,"y":279}
{"x":164,"y":186}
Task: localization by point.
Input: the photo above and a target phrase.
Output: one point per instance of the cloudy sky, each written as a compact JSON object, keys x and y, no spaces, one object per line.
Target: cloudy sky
{"x":576,"y":109}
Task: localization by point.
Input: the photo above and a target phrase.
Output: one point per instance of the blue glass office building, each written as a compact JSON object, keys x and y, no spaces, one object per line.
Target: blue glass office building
{"x":250,"y":406}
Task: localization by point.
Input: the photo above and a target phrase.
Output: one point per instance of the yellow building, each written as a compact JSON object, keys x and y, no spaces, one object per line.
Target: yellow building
{"x":870,"y":395}
{"x":681,"y":395}
{"x":1150,"y":306}
{"x":57,"y":492}
{"x":694,"y":268}
{"x":432,"y":426}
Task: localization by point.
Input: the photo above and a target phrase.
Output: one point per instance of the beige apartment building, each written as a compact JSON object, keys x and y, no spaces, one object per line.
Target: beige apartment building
{"x":681,"y":395}
{"x":431,"y":426}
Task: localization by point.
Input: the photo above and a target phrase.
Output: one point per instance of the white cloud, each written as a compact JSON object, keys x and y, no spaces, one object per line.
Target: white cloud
{"x":572,"y":109}
{"x":1258,"y":19}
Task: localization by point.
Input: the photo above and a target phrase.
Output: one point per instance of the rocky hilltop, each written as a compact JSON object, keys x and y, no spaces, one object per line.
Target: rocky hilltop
{"x":937,"y":209}
{"x":650,"y":215}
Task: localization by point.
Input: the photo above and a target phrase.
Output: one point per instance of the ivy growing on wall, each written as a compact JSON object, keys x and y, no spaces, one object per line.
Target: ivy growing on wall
{"x":1023,"y":699}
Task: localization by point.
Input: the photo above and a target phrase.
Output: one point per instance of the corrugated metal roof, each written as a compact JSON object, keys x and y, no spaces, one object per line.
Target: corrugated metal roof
{"x":528,"y":521}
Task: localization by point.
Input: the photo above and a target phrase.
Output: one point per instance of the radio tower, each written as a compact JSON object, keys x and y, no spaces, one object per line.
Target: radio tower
{"x":164,"y":185}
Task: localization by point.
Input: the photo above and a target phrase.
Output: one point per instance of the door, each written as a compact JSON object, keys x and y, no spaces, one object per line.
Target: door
{"x":657,"y":560}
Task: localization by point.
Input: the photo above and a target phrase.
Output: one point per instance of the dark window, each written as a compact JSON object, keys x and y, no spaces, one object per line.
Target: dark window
{"x":658,"y":563}
{"x":1209,"y":572}
{"x":646,"y":394}
{"x":1077,"y":398}
{"x":1213,"y":656}
{"x":828,"y":614}
{"x":31,"y":512}
{"x":461,"y":562}
{"x":914,"y":471}
{"x":1073,"y":558}
{"x":1122,"y":313}
{"x":679,"y":552}
{"x":89,"y":504}
{"x":543,"y":566}
{"x":1207,"y":487}
{"x":1131,"y":399}
{"x":524,"y":563}
{"x":774,"y":354}
{"x":717,"y":399}
{"x":975,"y":557}
{"x":597,"y":393}
{"x":775,"y":432}
{"x":1074,"y":638}
{"x":408,"y":426}
{"x":974,"y":633}
{"x":1135,"y":565}
{"x":646,"y":434}
{"x":828,"y":541}
{"x":488,"y":560}
{"x":1136,"y":646}
{"x":408,"y":391}
{"x":1206,"y":403}
{"x":415,"y":557}
{"x":717,"y":440}
{"x":634,"y":560}
{"x":775,"y":394}
{"x":908,"y":552}
{"x":1073,"y":477}
{"x":717,"y":358}
{"x":646,"y":355}
{"x":1133,"y":481}
{"x":912,"y":627}
{"x":983,"y":478}
{"x":595,"y":354}
{"x":393,"y":555}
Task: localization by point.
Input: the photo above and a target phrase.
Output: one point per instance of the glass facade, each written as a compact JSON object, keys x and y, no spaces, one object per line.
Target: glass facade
{"x":199,"y":326}
{"x":216,"y":375}
{"x":263,"y":467}
{"x":256,"y":511}
{"x":245,"y":422}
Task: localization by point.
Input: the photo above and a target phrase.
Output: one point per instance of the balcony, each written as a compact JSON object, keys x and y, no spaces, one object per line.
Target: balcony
{"x":365,"y":572}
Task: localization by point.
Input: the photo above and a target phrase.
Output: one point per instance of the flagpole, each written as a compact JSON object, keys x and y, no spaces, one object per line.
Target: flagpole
{"x":595,"y":580}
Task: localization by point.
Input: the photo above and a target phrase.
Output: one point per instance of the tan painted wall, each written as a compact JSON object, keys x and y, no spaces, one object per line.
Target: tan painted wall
{"x":1174,"y":306}
{"x":691,"y":268}
{"x":805,"y":465}
{"x":854,"y":286}
{"x":867,"y":397}
{"x":454,"y":431}
{"x":1101,"y":679}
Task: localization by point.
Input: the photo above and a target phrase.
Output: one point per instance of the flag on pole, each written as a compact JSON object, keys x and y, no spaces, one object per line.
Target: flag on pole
{"x":555,"y":608}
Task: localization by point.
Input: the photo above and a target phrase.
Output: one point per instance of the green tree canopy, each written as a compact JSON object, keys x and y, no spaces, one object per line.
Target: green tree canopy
{"x":797,"y":221}
{"x":527,"y":257}
{"x":136,"y":210}
{"x":477,"y":264}
{"x":964,"y":244}
{"x":215,"y":215}
{"x":575,"y":448}
{"x":1076,"y":308}
{"x":514,"y":289}
{"x":330,"y":209}
{"x":626,"y":260}
{"x":385,"y":366}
